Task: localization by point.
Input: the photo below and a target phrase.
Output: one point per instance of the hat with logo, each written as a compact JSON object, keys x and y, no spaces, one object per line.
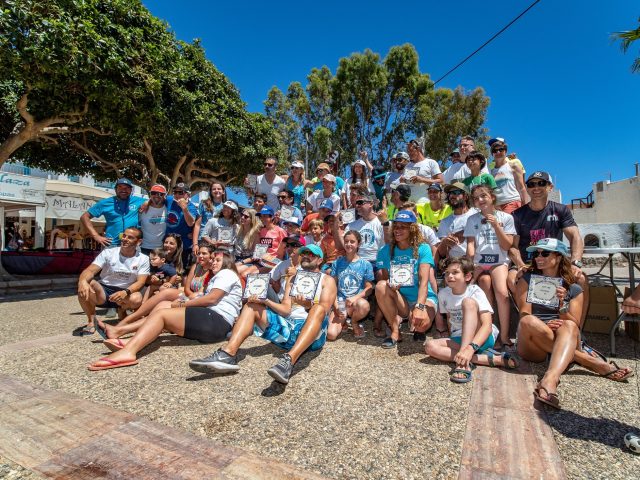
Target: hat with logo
{"x":124,"y":181}
{"x":435,"y":186}
{"x":181,"y":186}
{"x":456,"y":186}
{"x":158,"y":188}
{"x":266,"y":210}
{"x":550,"y":244}
{"x":329,"y":178}
{"x":540,"y":176}
{"x":313,"y":249}
{"x":230,"y":204}
{"x":403,"y":190}
{"x":401,"y":155}
{"x":327,"y":203}
{"x":292,"y":220}
{"x":405,"y":216}
{"x":494,"y":140}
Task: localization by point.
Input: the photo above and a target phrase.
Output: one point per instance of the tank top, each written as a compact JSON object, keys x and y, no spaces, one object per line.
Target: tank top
{"x":298,"y":192}
{"x":506,"y":191}
{"x":198,"y":279}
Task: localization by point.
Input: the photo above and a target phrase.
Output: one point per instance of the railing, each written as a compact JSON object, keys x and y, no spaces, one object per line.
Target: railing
{"x":585,"y":202}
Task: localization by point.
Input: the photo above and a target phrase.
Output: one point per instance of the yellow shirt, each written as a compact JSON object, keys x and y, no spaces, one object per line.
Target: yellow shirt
{"x":432,"y":218}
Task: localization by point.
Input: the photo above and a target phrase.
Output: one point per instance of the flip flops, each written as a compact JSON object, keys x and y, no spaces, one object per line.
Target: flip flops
{"x":114,"y":344}
{"x":82,"y":332}
{"x":389,"y":343}
{"x":466,"y":378}
{"x":611,"y":375}
{"x":550,"y":399}
{"x":111,"y":364}
{"x":101,"y":331}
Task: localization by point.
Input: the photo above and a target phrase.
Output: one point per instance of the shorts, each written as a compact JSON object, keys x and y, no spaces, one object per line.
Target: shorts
{"x":205,"y":325}
{"x":108,"y":291}
{"x":283,"y":331}
{"x":510,"y":207}
{"x":489,"y":343}
{"x":431,"y":297}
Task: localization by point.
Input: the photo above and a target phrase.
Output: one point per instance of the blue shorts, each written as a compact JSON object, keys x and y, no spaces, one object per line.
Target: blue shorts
{"x":283,"y":332}
{"x":108,"y":291}
{"x":491,"y":341}
{"x":431,"y":297}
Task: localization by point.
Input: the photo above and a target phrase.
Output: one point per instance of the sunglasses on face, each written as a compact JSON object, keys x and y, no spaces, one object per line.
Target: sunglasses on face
{"x":541,"y":183}
{"x":155,"y":194}
{"x":501,"y":149}
{"x":245,"y":216}
{"x":543,"y":254}
{"x":456,"y":192}
{"x":269,"y":164}
{"x":178,"y":192}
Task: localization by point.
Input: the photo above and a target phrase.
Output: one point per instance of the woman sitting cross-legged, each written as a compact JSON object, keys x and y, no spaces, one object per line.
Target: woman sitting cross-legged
{"x":473,"y":334}
{"x":555,"y":330}
{"x":207,"y":319}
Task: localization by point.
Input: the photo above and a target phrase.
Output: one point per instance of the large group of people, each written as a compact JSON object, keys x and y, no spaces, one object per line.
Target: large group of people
{"x":312,"y":259}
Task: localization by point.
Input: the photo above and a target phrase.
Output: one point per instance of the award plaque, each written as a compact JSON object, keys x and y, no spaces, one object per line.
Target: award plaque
{"x":257,"y":284}
{"x":542,"y":290}
{"x":286,"y":212}
{"x":409,"y":173}
{"x":225,"y":234}
{"x":252,"y":181}
{"x":260,"y":250}
{"x":401,"y":275}
{"x":305,"y":284}
{"x":348,"y":216}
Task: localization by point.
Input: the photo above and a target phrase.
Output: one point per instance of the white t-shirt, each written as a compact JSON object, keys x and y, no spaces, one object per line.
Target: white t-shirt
{"x":451,"y":304}
{"x":464,"y":172}
{"x":317,"y":197}
{"x":393,"y":179}
{"x":119,"y":271}
{"x":429,"y":235}
{"x":454,"y":224}
{"x":372,"y":235}
{"x":450,"y":172}
{"x":153,"y":224}
{"x":427,"y":168}
{"x":488,"y":251}
{"x":271,"y":190}
{"x":211,"y":231}
{"x":230,"y":304}
{"x":347,"y":187}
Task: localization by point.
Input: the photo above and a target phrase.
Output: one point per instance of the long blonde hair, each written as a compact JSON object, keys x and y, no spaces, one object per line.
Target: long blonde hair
{"x":415,"y":240}
{"x":248,"y":236}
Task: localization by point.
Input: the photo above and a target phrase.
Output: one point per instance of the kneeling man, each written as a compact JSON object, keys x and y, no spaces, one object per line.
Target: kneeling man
{"x":123,"y":273}
{"x":296,"y":324}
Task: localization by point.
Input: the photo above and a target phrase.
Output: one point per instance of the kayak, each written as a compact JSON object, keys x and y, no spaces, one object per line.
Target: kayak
{"x":47,"y":262}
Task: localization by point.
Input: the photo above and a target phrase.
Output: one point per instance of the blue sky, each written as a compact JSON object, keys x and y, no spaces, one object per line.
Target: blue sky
{"x":561,"y":92}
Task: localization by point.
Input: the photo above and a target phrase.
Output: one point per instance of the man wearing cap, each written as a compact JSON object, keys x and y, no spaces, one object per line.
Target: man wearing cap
{"x":378,"y":176}
{"x":292,"y":245}
{"x":400,"y":193}
{"x":120,"y":212}
{"x":269,"y":183}
{"x":327,"y":193}
{"x":369,"y":227}
{"x":415,"y":300}
{"x":432,"y":212}
{"x":453,"y":242}
{"x":181,"y":217}
{"x":427,"y":169}
{"x":153,"y":221}
{"x":398,"y":163}
{"x":543,"y":218}
{"x":296,"y":324}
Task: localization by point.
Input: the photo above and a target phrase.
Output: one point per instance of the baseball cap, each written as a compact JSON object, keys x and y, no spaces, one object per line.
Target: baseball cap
{"x":329,"y":178}
{"x":435,"y":186}
{"x":360,"y":162}
{"x":324,"y":166}
{"x":293,"y":240}
{"x":124,"y":181}
{"x":293,"y":220}
{"x":456,"y":186}
{"x":230,"y":204}
{"x":158,"y":188}
{"x":550,"y":244}
{"x":327,"y":203}
{"x":541,"y":176}
{"x":455,"y":150}
{"x":313,"y":249}
{"x":297,"y":165}
{"x":405,"y":216}
{"x":494,"y":140}
{"x":403,"y":189}
{"x":266,"y":210}
{"x":181,"y":186}
{"x":403,"y":155}
{"x":378,"y":173}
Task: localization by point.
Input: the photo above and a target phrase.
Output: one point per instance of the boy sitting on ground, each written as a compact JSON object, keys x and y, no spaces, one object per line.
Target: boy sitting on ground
{"x":160,"y":272}
{"x":472,"y":333}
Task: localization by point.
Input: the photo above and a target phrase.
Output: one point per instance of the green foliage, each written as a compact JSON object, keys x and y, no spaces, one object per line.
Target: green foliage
{"x":372,"y":104}
{"x":627,"y":38}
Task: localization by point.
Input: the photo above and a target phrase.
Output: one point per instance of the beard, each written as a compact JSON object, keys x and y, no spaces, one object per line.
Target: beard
{"x":307,"y":264}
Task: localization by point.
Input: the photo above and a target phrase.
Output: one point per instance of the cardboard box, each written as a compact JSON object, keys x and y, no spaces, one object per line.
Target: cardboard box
{"x":603,"y":310}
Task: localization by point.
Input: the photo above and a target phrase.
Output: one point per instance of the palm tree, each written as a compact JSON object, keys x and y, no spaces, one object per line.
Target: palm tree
{"x":626,"y":39}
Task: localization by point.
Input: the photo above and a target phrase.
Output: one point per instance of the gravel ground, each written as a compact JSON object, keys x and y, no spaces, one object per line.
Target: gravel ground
{"x":12,"y":471}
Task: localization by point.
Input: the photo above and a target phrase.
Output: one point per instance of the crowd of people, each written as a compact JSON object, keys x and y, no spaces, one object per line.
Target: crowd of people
{"x":315,"y":258}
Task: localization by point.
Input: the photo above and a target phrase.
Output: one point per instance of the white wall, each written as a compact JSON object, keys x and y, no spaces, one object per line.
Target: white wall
{"x":614,"y":202}
{"x":610,"y":235}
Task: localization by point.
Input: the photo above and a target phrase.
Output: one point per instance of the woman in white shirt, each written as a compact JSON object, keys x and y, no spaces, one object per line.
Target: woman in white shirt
{"x":207,"y":319}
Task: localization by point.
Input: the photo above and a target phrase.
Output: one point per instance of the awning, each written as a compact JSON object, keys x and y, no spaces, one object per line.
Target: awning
{"x":69,"y":200}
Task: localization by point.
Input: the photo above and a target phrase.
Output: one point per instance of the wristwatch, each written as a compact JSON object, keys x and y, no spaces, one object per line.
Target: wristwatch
{"x":127,"y":291}
{"x":475,"y":346}
{"x":421,"y":306}
{"x":577,"y":263}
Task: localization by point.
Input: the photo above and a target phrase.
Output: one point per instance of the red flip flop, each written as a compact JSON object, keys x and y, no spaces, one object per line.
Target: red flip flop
{"x":112,"y":364}
{"x":114,"y":344}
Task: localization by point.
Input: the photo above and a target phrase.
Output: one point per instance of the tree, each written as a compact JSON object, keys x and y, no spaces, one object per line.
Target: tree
{"x":626,"y":38}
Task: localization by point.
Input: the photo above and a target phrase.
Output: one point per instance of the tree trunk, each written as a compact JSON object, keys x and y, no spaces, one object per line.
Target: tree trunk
{"x":13,"y":143}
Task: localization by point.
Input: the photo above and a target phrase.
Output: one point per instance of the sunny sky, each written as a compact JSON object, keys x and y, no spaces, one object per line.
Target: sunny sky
{"x":562,"y":93}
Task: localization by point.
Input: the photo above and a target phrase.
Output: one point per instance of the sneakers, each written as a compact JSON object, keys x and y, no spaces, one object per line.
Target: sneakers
{"x":218,"y":362}
{"x":281,"y":371}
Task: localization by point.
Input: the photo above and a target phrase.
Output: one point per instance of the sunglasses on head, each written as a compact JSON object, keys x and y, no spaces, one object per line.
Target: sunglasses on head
{"x":543,"y":254}
{"x":541,"y":183}
{"x":500,"y":149}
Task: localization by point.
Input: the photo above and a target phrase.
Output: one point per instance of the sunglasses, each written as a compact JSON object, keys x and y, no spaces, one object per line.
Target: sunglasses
{"x":501,"y":149}
{"x":541,"y":183}
{"x":283,"y":197}
{"x":245,"y":216}
{"x":157,"y":193}
{"x":178,"y":192}
{"x":456,"y":192}
{"x":543,"y":254}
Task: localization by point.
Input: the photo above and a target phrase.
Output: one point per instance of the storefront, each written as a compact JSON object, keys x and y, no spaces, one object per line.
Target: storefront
{"x":21,"y":194}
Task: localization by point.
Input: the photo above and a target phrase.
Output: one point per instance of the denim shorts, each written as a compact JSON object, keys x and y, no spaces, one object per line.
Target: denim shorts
{"x":283,"y":331}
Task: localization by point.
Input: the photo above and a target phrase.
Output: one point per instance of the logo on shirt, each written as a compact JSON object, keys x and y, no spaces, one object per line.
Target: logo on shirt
{"x":552,"y":218}
{"x":172,"y":218}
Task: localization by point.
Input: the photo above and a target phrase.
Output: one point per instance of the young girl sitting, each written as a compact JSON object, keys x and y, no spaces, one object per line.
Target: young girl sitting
{"x":489,"y":235}
{"x":472,"y":333}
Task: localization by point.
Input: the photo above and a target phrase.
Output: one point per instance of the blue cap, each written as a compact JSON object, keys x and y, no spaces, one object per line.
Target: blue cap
{"x":494,"y":140}
{"x":314,"y":249}
{"x":327,"y":203}
{"x":405,"y":216}
{"x":124,"y":181}
{"x":550,"y":244}
{"x":267,"y":210}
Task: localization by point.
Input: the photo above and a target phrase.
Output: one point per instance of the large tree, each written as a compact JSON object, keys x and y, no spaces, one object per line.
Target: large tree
{"x":627,"y":38}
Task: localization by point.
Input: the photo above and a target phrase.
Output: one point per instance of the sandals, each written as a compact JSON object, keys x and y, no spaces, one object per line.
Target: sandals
{"x":612,"y":375}
{"x":466,"y":375}
{"x":358,"y":330}
{"x":550,"y":399}
{"x":509,"y":361}
{"x":389,"y":343}
{"x":82,"y":331}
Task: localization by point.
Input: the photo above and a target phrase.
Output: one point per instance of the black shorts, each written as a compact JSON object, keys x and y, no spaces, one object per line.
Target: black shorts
{"x":205,"y":325}
{"x":108,"y":291}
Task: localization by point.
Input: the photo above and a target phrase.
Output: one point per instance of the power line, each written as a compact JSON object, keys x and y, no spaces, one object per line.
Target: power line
{"x":487,"y":42}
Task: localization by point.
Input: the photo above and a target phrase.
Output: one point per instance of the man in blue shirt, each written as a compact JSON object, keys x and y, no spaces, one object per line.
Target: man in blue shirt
{"x":120,"y":212}
{"x":181,"y":217}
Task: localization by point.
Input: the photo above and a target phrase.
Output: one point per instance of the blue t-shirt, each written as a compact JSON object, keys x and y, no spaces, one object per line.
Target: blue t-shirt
{"x":406,"y":256}
{"x":118,"y":215}
{"x":206,"y":215}
{"x":176,"y":222}
{"x":164,"y":272}
{"x":351,"y":276}
{"x":298,"y":192}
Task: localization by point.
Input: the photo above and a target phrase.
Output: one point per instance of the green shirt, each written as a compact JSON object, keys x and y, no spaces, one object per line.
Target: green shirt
{"x":482,"y":179}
